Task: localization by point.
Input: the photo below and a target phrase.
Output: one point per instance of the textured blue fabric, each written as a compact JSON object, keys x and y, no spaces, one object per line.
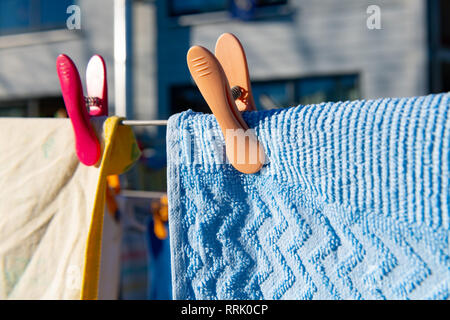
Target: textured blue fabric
{"x":353,"y":204}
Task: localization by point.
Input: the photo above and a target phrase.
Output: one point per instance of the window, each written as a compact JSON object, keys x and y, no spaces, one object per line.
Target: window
{"x":445,"y":67}
{"x":320,"y":89}
{"x":19,"y":16}
{"x":273,"y":94}
{"x":439,"y":45}
{"x":277,"y":93}
{"x":184,"y":97}
{"x":184,"y":7}
{"x":444,"y":22}
{"x":47,"y":107}
{"x":13,"y":109}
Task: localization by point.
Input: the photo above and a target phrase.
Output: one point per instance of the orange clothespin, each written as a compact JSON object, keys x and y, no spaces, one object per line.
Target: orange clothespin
{"x":213,"y":75}
{"x":112,"y":190}
{"x":114,"y":182}
{"x":231,"y":56}
{"x":160,"y":216}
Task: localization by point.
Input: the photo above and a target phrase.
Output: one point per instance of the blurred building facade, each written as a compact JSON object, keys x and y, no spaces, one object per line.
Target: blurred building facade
{"x":299,"y":51}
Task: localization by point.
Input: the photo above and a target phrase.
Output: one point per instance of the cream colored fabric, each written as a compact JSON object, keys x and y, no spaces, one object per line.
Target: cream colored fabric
{"x":50,"y":223}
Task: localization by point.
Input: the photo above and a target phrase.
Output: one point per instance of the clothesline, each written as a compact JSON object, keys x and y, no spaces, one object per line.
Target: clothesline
{"x":144,"y":122}
{"x":235,"y":92}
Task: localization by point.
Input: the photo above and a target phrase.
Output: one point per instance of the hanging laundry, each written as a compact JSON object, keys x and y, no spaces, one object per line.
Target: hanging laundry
{"x":160,"y":287}
{"x":145,"y":249}
{"x":51,"y":206}
{"x":353,"y":203}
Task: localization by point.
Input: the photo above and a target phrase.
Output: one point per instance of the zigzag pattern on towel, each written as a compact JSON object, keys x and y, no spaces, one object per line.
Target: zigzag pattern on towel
{"x":353,"y":204}
{"x":321,"y":256}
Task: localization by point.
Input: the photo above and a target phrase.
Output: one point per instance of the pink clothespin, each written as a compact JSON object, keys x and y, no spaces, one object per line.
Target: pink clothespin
{"x":81,"y":109}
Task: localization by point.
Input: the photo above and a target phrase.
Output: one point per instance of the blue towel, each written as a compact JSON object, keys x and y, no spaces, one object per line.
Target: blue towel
{"x":353,"y":204}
